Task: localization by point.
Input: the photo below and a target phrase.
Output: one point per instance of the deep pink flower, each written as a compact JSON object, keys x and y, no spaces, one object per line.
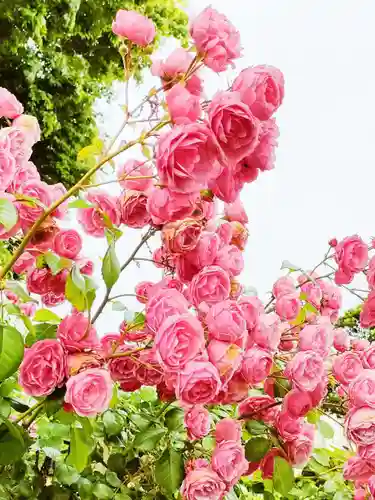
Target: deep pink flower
{"x":197,"y":422}
{"x":168,"y":206}
{"x":67,"y":243}
{"x":93,"y":220}
{"x":256,"y":365}
{"x":228,"y":429}
{"x":228,"y":460}
{"x":183,"y":106}
{"x":210,"y":286}
{"x":225,"y":321}
{"x":367,"y":316}
{"x":351,"y":255}
{"x":164,"y":304}
{"x":305,"y":370}
{"x":362,"y":389}
{"x":133,"y":209}
{"x":76,"y":333}
{"x":198,"y":383}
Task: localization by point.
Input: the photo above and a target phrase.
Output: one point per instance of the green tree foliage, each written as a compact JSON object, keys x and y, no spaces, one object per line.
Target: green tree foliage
{"x":58,"y":56}
{"x":350,"y":320}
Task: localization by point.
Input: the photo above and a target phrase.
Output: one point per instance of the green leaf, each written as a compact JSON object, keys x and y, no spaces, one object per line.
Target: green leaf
{"x":117,"y":463}
{"x":325,"y":429}
{"x":85,"y":487}
{"x":112,"y":479}
{"x":283,"y":477}
{"x":78,"y":279}
{"x":43,"y":315}
{"x":53,"y":261}
{"x":313,"y":416}
{"x":138,"y":321}
{"x":113,"y":423}
{"x":322,"y":456}
{"x":5,"y":408}
{"x":146,"y":151}
{"x":174,"y":419}
{"x":102,"y":491}
{"x":8,"y":214}
{"x":256,"y":448}
{"x":12,"y":443}
{"x":42,"y":331}
{"x":256,"y":427}
{"x":169,"y":470}
{"x":66,"y":474}
{"x":80,"y":203}
{"x":80,"y":448}
{"x":11,"y":350}
{"x":74,"y":294}
{"x":208,"y":443}
{"x":147,"y":440}
{"x":288,"y":265}
{"x":310,"y":308}
{"x":111,"y":267}
{"x":15,"y":287}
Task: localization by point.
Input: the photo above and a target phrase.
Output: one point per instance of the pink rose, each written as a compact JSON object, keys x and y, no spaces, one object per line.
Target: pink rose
{"x":86,"y":266}
{"x":283,"y":286}
{"x":263,"y":157}
{"x":288,"y":306}
{"x":226,"y":322}
{"x":67,"y":243}
{"x":244,"y":172}
{"x":57,"y":191}
{"x":362,"y":389}
{"x":7,"y":166}
{"x":179,"y":339}
{"x":89,"y":392}
{"x":123,"y":368}
{"x":299,"y":450}
{"x":268,"y":332}
{"x":80,"y":361}
{"x":29,"y":126}
{"x":261,"y":88}
{"x":331,"y":295}
{"x":24,"y":263}
{"x":135,"y":168}
{"x":251,"y":308}
{"x":235,"y":128}
{"x":24,"y":173}
{"x":76,"y":333}
{"x":236,"y":212}
{"x":164,"y":304}
{"x":197,"y":422}
{"x":371,"y":485}
{"x":228,"y":460}
{"x":43,"y":368}
{"x":360,"y":426}
{"x":133,"y":26}
{"x":198,"y":382}
{"x":130,"y":385}
{"x":370,"y":275}
{"x":319,"y":393}
{"x":357,"y":469}
{"x":203,"y":483}
{"x":317,"y":338}
{"x":346,"y":367}
{"x":10,"y":107}
{"x":226,"y":357}
{"x":288,"y":427}
{"x":367,"y":452}
{"x":313,"y":293}
{"x":360,"y":345}
{"x":206,"y":250}
{"x":38,"y":281}
{"x":109,"y":343}
{"x":148,"y":370}
{"x":210,"y":286}
{"x":14,"y":140}
{"x":195,"y":464}
{"x":186,"y":158}
{"x":42,"y":194}
{"x":351,"y":255}
{"x":228,"y":429}
{"x":367,"y":316}
{"x":52,"y":299}
{"x":168,"y":206}
{"x":230,"y":258}
{"x":183,"y":106}
{"x":175,"y":66}
{"x":227,"y":185}
{"x":142,"y":291}
{"x":305,"y":370}
{"x":256,"y":365}
{"x":368,"y":357}
{"x":28,"y":309}
{"x":297,"y":403}
{"x":181,"y":236}
{"x":133,"y":208}
{"x":216,"y":39}
{"x":360,"y":494}
{"x":268,"y":462}
{"x":57,"y":283}
{"x":5,"y":234}
{"x":92,"y":219}
{"x":235,"y":390}
{"x":341,"y":341}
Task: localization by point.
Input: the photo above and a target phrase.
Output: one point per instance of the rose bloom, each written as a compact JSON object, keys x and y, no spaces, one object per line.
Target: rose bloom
{"x":206,"y":250}
{"x":367,"y":316}
{"x":305,"y":370}
{"x":187,"y":158}
{"x":228,"y":460}
{"x":89,"y":392}
{"x":76,"y":333}
{"x":360,"y":345}
{"x":164,"y":205}
{"x":38,"y":281}
{"x":178,"y":340}
{"x":357,"y":469}
{"x":203,"y":483}
{"x":288,"y":427}
{"x":135,"y":168}
{"x":299,"y":450}
{"x":43,"y":368}
{"x":228,"y":429}
{"x":7,"y":165}
{"x":142,"y":291}
{"x":133,"y":208}
{"x":17,"y":144}
{"x":197,"y":463}
{"x":181,"y":236}
{"x":176,"y":65}
{"x":25,"y":172}
{"x":370,"y":275}
{"x":67,"y":243}
{"x":197,"y":422}
{"x":24,"y":263}
{"x":215,"y":38}
{"x":148,"y":370}
{"x":351,"y":255}
{"x":297,"y":403}
{"x":362,"y":389}
{"x":183,"y":106}
{"x":235,"y":390}
{"x":10,"y":107}
{"x":283,"y":286}
{"x":42,"y":194}
{"x":268,"y":462}
{"x":234,"y":126}
{"x":236,"y":212}
{"x":313,"y":293}
{"x":360,"y":426}
{"x":231,"y":259}
{"x":346,"y":367}
{"x":261,"y":88}
{"x":198,"y":383}
{"x":227,"y":185}
{"x":92,"y":219}
{"x":211,"y":285}
{"x":225,"y":321}
{"x":341,"y":341}
{"x":262,"y":407}
{"x":251,"y":308}
{"x":123,"y":368}
{"x":317,"y":338}
{"x":288,"y":306}
{"x":256,"y":365}
{"x":109,"y":343}
{"x":268,"y":332}
{"x":164,"y":304}
{"x":80,"y":361}
{"x":133,"y":26}
{"x":367,"y":452}
{"x":52,"y":299}
{"x":58,"y":191}
{"x":226,"y":357}
{"x":263,"y":157}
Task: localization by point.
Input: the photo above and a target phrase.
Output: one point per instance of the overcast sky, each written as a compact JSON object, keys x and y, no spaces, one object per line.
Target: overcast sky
{"x":323,"y":182}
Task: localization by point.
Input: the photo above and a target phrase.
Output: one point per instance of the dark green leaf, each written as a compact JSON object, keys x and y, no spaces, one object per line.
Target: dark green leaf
{"x":11,"y":350}
{"x":8,"y":214}
{"x":111,"y":267}
{"x":103,"y":492}
{"x":169,"y":470}
{"x":80,"y":448}
{"x":46,"y":315}
{"x":256,"y":448}
{"x":174,"y":419}
{"x":113,"y":423}
{"x":17,"y":405}
{"x":283,"y":477}
{"x":256,"y":427}
{"x":117,"y":463}
{"x":66,"y":474}
{"x":112,"y":479}
{"x":12,"y":443}
{"x":147,"y":440}
{"x":15,"y":287}
{"x":42,"y":331}
{"x":85,"y":487}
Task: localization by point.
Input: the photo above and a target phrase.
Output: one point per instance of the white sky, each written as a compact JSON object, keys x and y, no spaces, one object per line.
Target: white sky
{"x":322,"y":185}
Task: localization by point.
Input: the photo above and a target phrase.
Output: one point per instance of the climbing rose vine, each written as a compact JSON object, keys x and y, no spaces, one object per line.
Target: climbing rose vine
{"x":200,"y":338}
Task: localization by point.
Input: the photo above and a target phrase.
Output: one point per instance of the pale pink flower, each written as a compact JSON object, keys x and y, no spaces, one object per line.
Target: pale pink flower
{"x":183,"y":106}
{"x":203,"y":483}
{"x":351,"y":255}
{"x":197,"y":422}
{"x":210,"y":286}
{"x":228,"y":460}
{"x":198,"y":383}
{"x":93,"y":220}
{"x":346,"y":367}
{"x":225,"y":321}
{"x":305,"y":370}
{"x":10,"y":107}
{"x":236,"y":212}
{"x":67,"y":243}
{"x":135,"y":168}
{"x":133,"y":26}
